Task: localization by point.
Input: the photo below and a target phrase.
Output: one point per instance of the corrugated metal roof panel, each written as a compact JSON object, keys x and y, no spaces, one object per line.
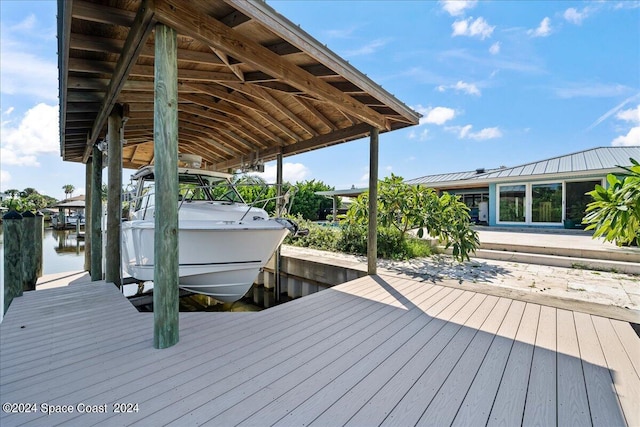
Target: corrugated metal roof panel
{"x":578,"y":163}
{"x":539,"y":168}
{"x":601,"y":158}
{"x":593,"y":159}
{"x":552,"y":165}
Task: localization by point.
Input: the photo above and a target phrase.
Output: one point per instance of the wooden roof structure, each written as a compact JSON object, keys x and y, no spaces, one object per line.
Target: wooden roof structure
{"x":251,"y":84}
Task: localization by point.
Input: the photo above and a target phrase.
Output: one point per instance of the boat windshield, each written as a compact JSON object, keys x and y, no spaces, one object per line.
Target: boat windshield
{"x":204,"y":187}
{"x":193,"y":187}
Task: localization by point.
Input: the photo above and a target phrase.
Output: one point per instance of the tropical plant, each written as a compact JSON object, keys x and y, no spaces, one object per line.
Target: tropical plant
{"x":68,"y":190}
{"x":403,"y":207}
{"x":27,"y":200}
{"x":614,"y":213}
{"x":306,"y":202}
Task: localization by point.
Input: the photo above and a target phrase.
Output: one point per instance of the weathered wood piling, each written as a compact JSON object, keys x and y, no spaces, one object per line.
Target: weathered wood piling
{"x":165,"y":145}
{"x":12,"y":234}
{"x":29,"y":261}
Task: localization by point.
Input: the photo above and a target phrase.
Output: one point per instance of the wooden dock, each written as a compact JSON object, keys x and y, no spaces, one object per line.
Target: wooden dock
{"x":373,"y":351}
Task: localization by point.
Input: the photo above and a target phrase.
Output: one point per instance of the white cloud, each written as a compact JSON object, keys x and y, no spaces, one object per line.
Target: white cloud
{"x":486,"y":133}
{"x":591,"y":90}
{"x":9,"y":111}
{"x":468,"y":88}
{"x":543,"y":30}
{"x":457,"y":7}
{"x":460,"y":86}
{"x":631,"y":138}
{"x":467,"y":27}
{"x":25,"y":25}
{"x":631,"y":115}
{"x":437,"y":115}
{"x":291,"y":172}
{"x":37,"y":133}
{"x":5,"y":178}
{"x":369,"y":48}
{"x":465,"y":132}
{"x":576,"y":17}
{"x":495,"y":48}
{"x":23,"y":71}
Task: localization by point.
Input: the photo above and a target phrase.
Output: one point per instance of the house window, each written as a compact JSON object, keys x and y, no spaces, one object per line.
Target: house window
{"x":546,"y":202}
{"x":512,"y":203}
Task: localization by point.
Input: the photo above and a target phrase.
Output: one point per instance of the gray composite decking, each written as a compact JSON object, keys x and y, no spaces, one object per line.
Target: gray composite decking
{"x":374,"y":351}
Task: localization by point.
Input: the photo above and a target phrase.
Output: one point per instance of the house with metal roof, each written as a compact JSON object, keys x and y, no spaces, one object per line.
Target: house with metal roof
{"x":547,"y":193}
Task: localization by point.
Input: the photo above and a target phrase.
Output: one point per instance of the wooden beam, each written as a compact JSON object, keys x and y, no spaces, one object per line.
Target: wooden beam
{"x":137,"y":36}
{"x":256,"y":93}
{"x":105,"y":67}
{"x":341,"y":135}
{"x":111,"y":45}
{"x":88,"y":178}
{"x":372,"y":235}
{"x":165,"y":270}
{"x":261,"y":12}
{"x":64,"y":33}
{"x":114,"y":197}
{"x":96,"y":214}
{"x":103,"y":14}
{"x":191,"y":21}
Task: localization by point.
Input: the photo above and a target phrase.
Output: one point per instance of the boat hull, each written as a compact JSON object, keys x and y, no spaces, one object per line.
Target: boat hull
{"x":215,"y":258}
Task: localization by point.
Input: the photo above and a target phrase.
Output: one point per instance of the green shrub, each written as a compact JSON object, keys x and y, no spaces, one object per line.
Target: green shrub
{"x":319,"y":237}
{"x":391,"y":243}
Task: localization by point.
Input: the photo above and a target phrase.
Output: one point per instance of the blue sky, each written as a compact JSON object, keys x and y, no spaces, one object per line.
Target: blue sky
{"x":498,"y":83}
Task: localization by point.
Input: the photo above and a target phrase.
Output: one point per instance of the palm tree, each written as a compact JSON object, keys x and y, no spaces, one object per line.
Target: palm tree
{"x":68,"y":190}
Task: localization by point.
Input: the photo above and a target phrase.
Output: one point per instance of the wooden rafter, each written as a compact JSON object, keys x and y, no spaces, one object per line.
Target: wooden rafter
{"x":138,"y":33}
{"x":188,"y":20}
{"x":336,"y":137}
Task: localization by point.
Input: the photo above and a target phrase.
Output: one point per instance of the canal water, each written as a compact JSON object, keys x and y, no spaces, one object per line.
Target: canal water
{"x":62,"y":252}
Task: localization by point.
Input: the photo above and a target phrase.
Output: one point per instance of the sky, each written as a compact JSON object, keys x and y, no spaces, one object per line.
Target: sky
{"x":499,"y":83}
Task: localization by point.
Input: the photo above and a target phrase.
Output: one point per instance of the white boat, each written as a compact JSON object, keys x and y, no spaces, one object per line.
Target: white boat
{"x":223,"y":242}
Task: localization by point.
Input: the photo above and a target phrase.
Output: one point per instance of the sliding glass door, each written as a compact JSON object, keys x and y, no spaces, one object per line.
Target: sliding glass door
{"x":546,"y":202}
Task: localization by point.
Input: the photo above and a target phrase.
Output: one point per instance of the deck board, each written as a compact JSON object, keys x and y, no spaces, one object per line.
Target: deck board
{"x":376,"y":350}
{"x":476,"y":406}
{"x":604,"y":404}
{"x":540,"y":407}
{"x":573,"y":406}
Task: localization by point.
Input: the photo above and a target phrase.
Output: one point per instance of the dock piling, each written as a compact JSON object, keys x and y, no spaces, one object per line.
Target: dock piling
{"x":29,"y":257}
{"x":12,"y":232}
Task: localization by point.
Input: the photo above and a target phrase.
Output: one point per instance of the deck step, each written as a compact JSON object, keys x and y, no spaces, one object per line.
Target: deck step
{"x":627,"y":255}
{"x":560,"y":261}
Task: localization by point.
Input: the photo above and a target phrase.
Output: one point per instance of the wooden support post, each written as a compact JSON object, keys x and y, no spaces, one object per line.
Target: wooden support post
{"x":278,"y":289}
{"x":29,"y":267}
{"x":114,"y":197}
{"x":12,"y":234}
{"x":39,"y":235}
{"x":372,"y":242}
{"x":165,"y":145}
{"x":62,"y":219}
{"x":87,"y":215}
{"x":96,"y":215}
{"x":334,"y":209}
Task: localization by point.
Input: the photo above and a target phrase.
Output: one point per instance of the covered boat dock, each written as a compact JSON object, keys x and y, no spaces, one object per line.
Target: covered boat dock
{"x":229,"y":80}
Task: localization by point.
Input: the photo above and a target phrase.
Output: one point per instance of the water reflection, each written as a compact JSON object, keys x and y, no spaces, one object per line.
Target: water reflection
{"x":62,"y":251}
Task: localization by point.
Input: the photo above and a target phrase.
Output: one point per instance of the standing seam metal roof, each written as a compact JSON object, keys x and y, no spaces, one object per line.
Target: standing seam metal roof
{"x":599,"y":158}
